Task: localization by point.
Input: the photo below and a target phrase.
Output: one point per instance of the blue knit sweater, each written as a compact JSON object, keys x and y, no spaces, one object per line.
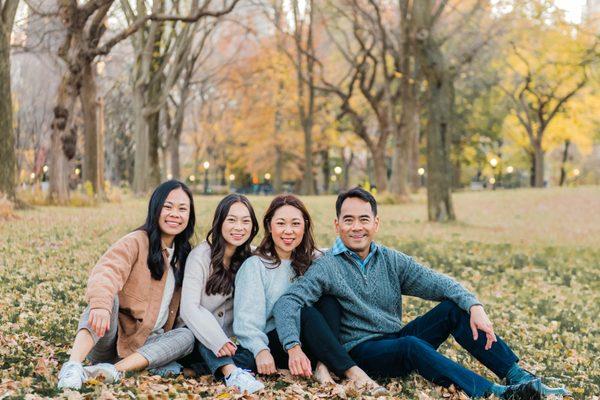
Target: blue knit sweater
{"x":371,"y":299}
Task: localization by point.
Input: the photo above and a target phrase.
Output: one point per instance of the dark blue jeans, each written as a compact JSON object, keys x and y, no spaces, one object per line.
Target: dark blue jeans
{"x":414,"y":348}
{"x":319,"y":333}
{"x":203,"y":361}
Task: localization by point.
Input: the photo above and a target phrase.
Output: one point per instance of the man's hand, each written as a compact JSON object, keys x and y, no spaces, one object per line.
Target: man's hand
{"x":99,"y":321}
{"x":480,"y":320}
{"x":228,"y":350}
{"x":298,"y":363}
{"x":265,"y":364}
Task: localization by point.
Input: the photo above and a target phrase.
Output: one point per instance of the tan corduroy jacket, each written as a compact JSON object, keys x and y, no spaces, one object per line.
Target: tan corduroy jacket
{"x":123,"y":271}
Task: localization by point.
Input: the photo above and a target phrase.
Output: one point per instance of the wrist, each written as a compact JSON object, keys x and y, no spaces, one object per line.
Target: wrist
{"x":295,"y":349}
{"x":475,"y":306}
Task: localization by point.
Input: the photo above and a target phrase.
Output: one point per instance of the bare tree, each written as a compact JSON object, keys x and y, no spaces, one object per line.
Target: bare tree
{"x":440,"y":74}
{"x":8,"y":10}
{"x":85,"y":26}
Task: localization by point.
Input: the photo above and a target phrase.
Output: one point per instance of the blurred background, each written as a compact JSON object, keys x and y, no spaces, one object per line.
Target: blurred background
{"x":105,"y":97}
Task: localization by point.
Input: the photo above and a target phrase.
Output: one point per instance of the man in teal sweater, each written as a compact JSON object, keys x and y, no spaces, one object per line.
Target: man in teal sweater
{"x":369,"y":280}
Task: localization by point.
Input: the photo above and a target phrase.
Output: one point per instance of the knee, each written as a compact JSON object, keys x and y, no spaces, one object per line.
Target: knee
{"x":307,"y":314}
{"x":329,"y":306}
{"x":409,"y":344}
{"x":188,"y":339}
{"x":451,"y":309}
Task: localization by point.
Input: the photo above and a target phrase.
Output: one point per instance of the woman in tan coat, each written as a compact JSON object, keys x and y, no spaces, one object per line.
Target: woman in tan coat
{"x":133,"y":296}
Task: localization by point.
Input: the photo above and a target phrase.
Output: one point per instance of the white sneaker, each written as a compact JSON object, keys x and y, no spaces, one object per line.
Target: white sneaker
{"x":108,"y":371}
{"x":243,"y":381}
{"x":71,"y":376}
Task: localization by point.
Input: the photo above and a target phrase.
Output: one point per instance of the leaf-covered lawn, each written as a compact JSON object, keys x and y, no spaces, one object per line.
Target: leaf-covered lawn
{"x":531,"y":256}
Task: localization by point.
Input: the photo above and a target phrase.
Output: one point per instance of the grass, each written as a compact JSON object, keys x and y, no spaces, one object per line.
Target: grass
{"x":532,"y":257}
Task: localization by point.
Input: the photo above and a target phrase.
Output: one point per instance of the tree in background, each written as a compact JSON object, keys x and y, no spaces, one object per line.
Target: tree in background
{"x":8,"y":163}
{"x":546,"y":67}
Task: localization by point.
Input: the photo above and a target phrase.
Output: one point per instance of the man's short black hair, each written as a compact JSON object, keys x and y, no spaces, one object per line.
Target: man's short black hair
{"x":359,"y":193}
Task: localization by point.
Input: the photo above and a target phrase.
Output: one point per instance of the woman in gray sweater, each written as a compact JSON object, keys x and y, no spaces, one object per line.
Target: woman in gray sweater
{"x":207,"y":294}
{"x":285,"y":253}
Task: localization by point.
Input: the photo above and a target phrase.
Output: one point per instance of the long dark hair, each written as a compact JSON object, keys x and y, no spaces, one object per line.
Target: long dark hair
{"x":181,"y":241}
{"x":302,"y":255}
{"x":222,"y":278}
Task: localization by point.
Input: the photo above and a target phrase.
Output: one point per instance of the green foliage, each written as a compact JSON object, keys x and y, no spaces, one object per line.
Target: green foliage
{"x":543,"y":299}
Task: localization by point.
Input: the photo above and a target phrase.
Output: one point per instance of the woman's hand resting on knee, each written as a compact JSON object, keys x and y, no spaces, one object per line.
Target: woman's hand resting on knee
{"x":99,"y":321}
{"x":265,"y":364}
{"x":298,"y":363}
{"x":228,"y":350}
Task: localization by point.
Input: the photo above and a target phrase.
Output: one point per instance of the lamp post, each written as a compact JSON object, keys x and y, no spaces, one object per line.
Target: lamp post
{"x":421,"y":172}
{"x":206,"y":165}
{"x":231,"y":180}
{"x":336,"y":178}
{"x":494,"y":164}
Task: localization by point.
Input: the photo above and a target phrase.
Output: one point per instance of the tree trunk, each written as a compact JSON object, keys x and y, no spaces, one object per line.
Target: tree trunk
{"x":379,"y":168}
{"x":538,"y":156}
{"x":92,"y":145}
{"x":8,"y":160}
{"x":346,"y":171}
{"x":440,"y":110}
{"x":565,"y":157}
{"x":325,"y":169}
{"x":415,"y":133}
{"x":59,"y":147}
{"x":142,"y":148}
{"x":153,"y":125}
{"x":174,"y":151}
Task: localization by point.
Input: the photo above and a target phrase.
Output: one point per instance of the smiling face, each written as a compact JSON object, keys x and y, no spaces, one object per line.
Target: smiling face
{"x":174,"y":215}
{"x":287,"y":230}
{"x":237,"y":226}
{"x":357,"y":225}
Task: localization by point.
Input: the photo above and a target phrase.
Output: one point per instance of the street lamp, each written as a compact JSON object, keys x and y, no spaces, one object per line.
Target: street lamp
{"x":421,"y":172}
{"x":337,"y":170}
{"x":510,"y":169}
{"x":206,"y":165}
{"x":493,"y":163}
{"x":267,"y":176}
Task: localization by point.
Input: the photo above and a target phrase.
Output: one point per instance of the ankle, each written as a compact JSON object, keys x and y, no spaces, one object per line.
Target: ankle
{"x":226,"y":370}
{"x":497,"y":390}
{"x":355,"y":373}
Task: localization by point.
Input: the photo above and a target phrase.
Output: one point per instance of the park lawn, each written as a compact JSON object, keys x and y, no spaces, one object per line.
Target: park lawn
{"x":532,"y":256}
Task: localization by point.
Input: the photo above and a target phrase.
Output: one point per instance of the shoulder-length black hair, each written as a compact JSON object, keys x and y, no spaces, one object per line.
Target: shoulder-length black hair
{"x":222,"y":278}
{"x":302,"y":256}
{"x":181,"y":241}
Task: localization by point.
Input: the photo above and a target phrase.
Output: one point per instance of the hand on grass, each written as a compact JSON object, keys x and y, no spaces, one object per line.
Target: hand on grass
{"x":298,"y":363}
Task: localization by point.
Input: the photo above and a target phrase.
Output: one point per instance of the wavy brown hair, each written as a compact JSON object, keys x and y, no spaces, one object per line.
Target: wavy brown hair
{"x":222,"y":278}
{"x":302,"y":256}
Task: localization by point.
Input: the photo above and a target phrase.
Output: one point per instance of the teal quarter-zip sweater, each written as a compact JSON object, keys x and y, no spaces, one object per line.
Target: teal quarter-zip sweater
{"x":371,"y":297}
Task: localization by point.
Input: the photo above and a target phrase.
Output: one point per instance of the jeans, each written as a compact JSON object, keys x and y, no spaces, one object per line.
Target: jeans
{"x":414,"y":348}
{"x":203,"y":360}
{"x":319,"y":332}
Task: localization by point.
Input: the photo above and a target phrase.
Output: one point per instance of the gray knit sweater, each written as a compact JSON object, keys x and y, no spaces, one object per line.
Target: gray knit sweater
{"x":371,"y":300}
